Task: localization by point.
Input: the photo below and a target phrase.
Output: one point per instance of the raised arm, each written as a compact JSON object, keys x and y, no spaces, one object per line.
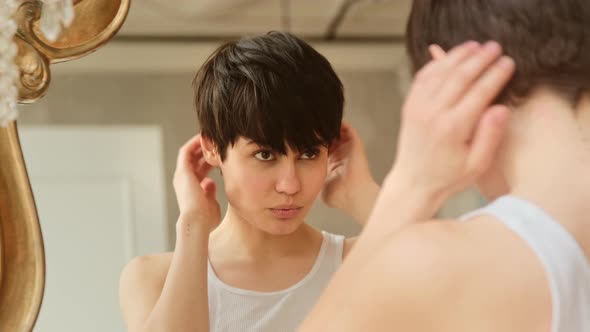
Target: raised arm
{"x":176,"y":299}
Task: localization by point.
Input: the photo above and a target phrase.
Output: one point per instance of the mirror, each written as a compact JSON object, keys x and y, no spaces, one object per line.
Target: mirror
{"x":21,"y":245}
{"x":101,"y":145}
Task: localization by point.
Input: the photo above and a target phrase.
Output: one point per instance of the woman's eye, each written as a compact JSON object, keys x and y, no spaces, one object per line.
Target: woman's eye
{"x":264,"y":155}
{"x":311,"y":154}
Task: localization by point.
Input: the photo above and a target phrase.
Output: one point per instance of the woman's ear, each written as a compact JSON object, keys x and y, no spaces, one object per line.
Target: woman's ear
{"x":210,"y":152}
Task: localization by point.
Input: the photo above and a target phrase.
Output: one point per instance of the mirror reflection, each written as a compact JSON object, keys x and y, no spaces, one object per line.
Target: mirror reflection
{"x":103,"y":149}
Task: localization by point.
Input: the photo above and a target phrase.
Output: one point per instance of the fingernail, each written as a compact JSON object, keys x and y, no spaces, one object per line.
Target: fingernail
{"x":471,"y":44}
{"x":492,"y":46}
{"x":506,"y":62}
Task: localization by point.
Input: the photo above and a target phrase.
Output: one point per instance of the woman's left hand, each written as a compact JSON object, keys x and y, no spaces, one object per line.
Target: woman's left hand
{"x":349,"y":184}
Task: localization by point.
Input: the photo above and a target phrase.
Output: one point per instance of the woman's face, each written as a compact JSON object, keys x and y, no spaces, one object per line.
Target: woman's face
{"x":272,"y":192}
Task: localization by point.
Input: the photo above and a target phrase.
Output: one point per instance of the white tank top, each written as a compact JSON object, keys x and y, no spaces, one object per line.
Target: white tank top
{"x":567,"y":267}
{"x":238,"y":310}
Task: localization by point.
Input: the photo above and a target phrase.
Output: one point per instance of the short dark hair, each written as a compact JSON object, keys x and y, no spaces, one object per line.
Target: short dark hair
{"x":272,"y":89}
{"x":548,"y":39}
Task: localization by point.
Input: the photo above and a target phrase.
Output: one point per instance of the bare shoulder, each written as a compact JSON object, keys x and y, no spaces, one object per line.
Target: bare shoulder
{"x":422,"y":230}
{"x":393,"y":288}
{"x":151,"y":259}
{"x":441,"y":276}
{"x":482,"y":249}
{"x":432,"y":247}
{"x":476,"y":269}
{"x":141,"y":283}
{"x":146,"y":269}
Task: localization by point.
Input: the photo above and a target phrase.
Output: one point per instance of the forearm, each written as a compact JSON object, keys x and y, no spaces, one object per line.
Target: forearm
{"x":183,"y":303}
{"x":398,"y":204}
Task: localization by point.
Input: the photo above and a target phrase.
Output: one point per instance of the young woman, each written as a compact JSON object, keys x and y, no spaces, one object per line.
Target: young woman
{"x":522,"y":263}
{"x":270,"y":112}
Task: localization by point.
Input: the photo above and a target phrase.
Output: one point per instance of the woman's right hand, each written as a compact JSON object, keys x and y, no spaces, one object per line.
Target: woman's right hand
{"x":195,"y":192}
{"x":450,"y":130}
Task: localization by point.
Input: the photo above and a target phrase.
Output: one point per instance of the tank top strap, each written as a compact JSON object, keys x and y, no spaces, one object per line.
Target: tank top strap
{"x":334,"y":251}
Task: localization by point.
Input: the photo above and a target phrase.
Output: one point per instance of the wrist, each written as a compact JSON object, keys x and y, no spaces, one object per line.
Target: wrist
{"x":192,"y":240}
{"x":419,"y":195}
{"x":192,"y":222}
{"x":418,"y":186}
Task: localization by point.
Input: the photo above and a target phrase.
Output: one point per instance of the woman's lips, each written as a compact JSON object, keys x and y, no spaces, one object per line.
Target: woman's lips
{"x":285,"y":212}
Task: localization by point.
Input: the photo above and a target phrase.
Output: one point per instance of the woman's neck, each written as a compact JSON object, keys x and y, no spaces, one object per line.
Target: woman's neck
{"x":548,"y":157}
{"x":241,"y":239}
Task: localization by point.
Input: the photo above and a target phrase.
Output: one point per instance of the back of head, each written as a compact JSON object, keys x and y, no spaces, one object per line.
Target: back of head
{"x":548,"y":39}
{"x":272,"y":89}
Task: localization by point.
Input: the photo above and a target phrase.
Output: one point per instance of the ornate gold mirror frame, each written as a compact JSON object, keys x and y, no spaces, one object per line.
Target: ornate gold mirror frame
{"x":22,"y":260}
